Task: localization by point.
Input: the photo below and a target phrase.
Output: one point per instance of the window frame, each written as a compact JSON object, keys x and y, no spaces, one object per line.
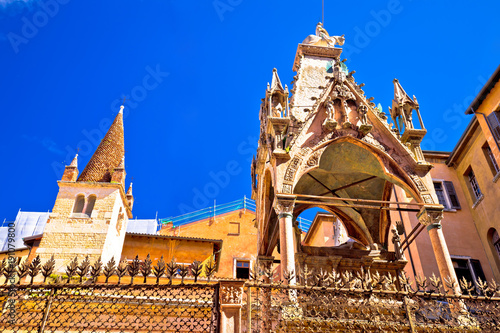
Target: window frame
{"x":239,"y":229}
{"x":496,"y":243}
{"x":449,"y":206}
{"x":492,"y":163}
{"x":241,"y":259}
{"x":474,"y":188}
{"x":471,"y":269}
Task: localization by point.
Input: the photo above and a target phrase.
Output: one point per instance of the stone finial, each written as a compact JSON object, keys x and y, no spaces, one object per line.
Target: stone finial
{"x":130,"y":196}
{"x":276,"y":82}
{"x":74,"y":163}
{"x":71,"y":171}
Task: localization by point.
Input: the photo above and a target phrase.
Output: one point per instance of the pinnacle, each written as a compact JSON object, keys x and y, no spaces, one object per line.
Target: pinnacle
{"x":74,"y":163}
{"x":108,"y":155}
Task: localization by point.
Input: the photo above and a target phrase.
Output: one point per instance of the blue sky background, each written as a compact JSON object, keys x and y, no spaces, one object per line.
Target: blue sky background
{"x":194,"y":74}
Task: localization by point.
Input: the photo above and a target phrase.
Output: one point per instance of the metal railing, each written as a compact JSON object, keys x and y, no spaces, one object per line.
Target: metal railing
{"x":209,"y":212}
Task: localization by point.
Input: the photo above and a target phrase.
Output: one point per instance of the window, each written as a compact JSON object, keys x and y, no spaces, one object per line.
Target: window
{"x":83,"y":208}
{"x":490,"y":159}
{"x":494,"y":120}
{"x":79,"y":203}
{"x":90,"y":205}
{"x":446,"y":194}
{"x":467,"y":268}
{"x":234,"y":229}
{"x":242,"y":269}
{"x":495,"y":240}
{"x":476,"y":191}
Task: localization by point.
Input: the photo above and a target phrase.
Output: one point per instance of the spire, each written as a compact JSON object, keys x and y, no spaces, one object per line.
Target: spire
{"x":400,"y":95}
{"x":276,"y":82}
{"x":108,"y":155}
{"x":129,"y":191}
{"x":71,"y":171}
{"x":74,"y":163}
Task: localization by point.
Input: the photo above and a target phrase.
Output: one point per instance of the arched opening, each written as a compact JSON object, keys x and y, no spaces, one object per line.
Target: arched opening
{"x":321,"y":228}
{"x":79,"y":204}
{"x":269,"y":217}
{"x":494,"y":241}
{"x":350,"y":171}
{"x":90,"y":205}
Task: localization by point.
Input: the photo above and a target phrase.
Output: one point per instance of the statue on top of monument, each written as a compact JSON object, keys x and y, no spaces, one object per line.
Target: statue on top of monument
{"x":322,"y":38}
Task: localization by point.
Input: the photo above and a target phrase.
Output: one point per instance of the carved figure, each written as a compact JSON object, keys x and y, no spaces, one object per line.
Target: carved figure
{"x":396,"y":240}
{"x":277,"y":110}
{"x":322,"y":37}
{"x":330,"y":109}
{"x":331,"y":40}
{"x":362,"y":111}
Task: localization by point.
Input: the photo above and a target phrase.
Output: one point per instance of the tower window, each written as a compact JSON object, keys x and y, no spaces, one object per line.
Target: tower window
{"x":90,"y":205}
{"x":79,"y":203}
{"x":242,"y":269}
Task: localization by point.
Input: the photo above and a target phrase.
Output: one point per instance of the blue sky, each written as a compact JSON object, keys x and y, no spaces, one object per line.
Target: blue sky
{"x":194,"y":74}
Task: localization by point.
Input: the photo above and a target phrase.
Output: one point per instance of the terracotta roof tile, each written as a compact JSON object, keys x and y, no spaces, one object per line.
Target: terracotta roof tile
{"x":108,"y":155}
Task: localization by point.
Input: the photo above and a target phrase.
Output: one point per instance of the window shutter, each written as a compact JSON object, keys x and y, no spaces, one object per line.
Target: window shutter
{"x":452,"y":195}
{"x":494,"y":120}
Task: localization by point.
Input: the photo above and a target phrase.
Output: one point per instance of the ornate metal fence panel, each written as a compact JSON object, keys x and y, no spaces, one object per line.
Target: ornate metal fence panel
{"x":109,"y":308}
{"x":365,"y":302}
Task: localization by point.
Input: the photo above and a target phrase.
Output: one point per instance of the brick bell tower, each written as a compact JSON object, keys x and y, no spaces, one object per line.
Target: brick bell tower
{"x":91,"y":211}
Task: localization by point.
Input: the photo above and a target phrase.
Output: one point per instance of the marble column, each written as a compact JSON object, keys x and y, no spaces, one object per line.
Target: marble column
{"x":284,"y":210}
{"x":431,"y":217}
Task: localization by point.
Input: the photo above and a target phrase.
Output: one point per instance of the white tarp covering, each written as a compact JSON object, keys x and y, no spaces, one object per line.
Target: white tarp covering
{"x":26,"y":224}
{"x":143,"y":226}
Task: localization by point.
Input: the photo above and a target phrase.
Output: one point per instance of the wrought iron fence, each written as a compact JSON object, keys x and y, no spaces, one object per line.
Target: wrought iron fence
{"x":106,"y":298}
{"x":94,"y":298}
{"x":365,"y":302}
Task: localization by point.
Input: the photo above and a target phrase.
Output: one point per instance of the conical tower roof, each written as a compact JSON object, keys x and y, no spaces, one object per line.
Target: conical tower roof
{"x":108,"y":155}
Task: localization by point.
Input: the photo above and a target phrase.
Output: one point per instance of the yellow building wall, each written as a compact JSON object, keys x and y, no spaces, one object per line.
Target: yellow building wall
{"x":459,"y":228}
{"x":183,"y":251}
{"x":485,"y":212}
{"x":225,"y":227}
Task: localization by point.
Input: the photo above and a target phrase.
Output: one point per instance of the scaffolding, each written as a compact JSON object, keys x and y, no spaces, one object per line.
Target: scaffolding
{"x":215,"y":210}
{"x":209,"y":212}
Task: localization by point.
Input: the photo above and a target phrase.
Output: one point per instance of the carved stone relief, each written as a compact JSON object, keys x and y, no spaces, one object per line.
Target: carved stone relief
{"x":284,"y":206}
{"x":418,"y":181}
{"x":231,"y":294}
{"x":292,"y":168}
{"x":313,"y":160}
